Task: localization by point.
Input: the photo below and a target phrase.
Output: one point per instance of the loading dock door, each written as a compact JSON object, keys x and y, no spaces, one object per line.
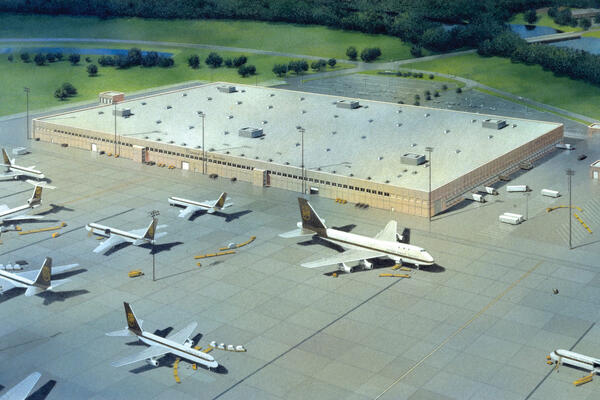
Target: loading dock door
{"x":185,"y":166}
{"x":595,"y":174}
{"x":94,"y":147}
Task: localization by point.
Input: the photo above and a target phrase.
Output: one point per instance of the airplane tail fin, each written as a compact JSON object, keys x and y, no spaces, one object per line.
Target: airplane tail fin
{"x":220,"y":201}
{"x":36,"y":197}
{"x":7,"y":161}
{"x":405,"y":237}
{"x":151,"y":230}
{"x":132,"y":322}
{"x":44,"y":276}
{"x":310,"y":219}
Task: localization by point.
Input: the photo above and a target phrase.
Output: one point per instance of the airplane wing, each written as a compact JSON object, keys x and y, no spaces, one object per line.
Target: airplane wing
{"x":5,"y":284}
{"x":22,"y":389}
{"x":183,"y":334}
{"x":150,"y":352}
{"x":389,"y":232}
{"x":22,"y":217}
{"x":10,"y":175}
{"x":347,"y":256}
{"x":189,"y":210}
{"x":3,"y":207}
{"x":31,"y":275}
{"x":108,"y":243}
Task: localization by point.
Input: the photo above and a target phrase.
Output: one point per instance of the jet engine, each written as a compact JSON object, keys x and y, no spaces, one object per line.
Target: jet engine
{"x":345,"y":268}
{"x":188,"y":342}
{"x":365,"y":264}
{"x":152,"y":361}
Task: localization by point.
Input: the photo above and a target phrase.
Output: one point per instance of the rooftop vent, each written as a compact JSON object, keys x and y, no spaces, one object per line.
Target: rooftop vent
{"x":158,"y":139}
{"x":413,"y":145}
{"x":350,"y":104}
{"x":473,"y":120}
{"x":184,"y":144}
{"x":123,"y":112}
{"x":158,"y":121}
{"x":399,"y":124}
{"x":514,"y":125}
{"x":239,"y":102}
{"x":427,"y":115}
{"x":269,"y":107}
{"x":414,"y":172}
{"x":271,"y":94}
{"x":399,"y":111}
{"x":366,"y":107}
{"x":243,"y":90}
{"x":143,"y":103}
{"x":226,"y":133}
{"x":251,"y":132}
{"x":301,"y":98}
{"x":328,"y":149}
{"x":334,"y":132}
{"x":100,"y":112}
{"x":226,"y":89}
{"x":490,"y":136}
{"x":183,"y":94}
{"x":335,"y":116}
{"x":264,"y":122}
{"x":209,"y":98}
{"x":191,"y":127}
{"x":303,"y":111}
{"x":371,"y":120}
{"x":363,"y":137}
{"x":171,"y":142}
{"x":169,"y":107}
{"x":229,"y":116}
{"x":493,"y":123}
{"x":446,"y":130}
{"x":380,"y":158}
{"x":457,"y":151}
{"x":412,"y":159}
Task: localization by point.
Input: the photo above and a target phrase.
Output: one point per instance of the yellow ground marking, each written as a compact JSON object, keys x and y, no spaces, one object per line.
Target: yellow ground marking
{"x":459,"y":330}
{"x":557,"y":207}
{"x":175,"y":372}
{"x":582,"y":223}
{"x":394,"y":275}
{"x":51,"y":228}
{"x":220,"y":253}
{"x":237,"y":246}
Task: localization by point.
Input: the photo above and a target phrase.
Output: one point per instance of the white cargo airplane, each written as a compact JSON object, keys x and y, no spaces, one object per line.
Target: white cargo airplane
{"x":116,"y":236}
{"x":34,"y":281}
{"x":21,"y":213}
{"x":14,"y":171}
{"x":191,"y":206}
{"x":178,"y":344}
{"x":575,"y":360}
{"x":386,"y":243}
{"x":21,"y":390}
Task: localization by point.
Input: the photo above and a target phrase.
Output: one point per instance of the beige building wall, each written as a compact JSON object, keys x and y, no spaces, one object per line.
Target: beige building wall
{"x":263,"y":173}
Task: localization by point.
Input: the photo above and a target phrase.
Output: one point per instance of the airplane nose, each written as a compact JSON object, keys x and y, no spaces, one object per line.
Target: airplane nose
{"x":429,"y":258}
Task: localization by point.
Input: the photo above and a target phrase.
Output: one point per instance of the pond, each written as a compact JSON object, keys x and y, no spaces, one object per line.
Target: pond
{"x":74,"y":50}
{"x":589,"y":44}
{"x":526,"y":31}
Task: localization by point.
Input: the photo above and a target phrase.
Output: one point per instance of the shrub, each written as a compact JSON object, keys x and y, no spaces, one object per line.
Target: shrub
{"x":351,"y":53}
{"x":370,"y":54}
{"x":39,"y":59}
{"x":331,"y":62}
{"x":194,"y":61}
{"x":24,"y":57}
{"x":92,"y":70}
{"x":214,"y":60}
{"x":228,"y":62}
{"x":239,"y":61}
{"x":280,"y":69}
{"x":74,"y":59}
{"x":458,"y":90}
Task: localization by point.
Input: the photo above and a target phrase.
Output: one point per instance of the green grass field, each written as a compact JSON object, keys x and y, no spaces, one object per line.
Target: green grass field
{"x":282,"y":37}
{"x":43,"y":80}
{"x":544,"y":20}
{"x":530,"y":81}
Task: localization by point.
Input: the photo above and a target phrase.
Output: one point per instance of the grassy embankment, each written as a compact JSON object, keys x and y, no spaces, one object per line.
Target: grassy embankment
{"x":529,"y":81}
{"x":43,"y":80}
{"x":281,"y":37}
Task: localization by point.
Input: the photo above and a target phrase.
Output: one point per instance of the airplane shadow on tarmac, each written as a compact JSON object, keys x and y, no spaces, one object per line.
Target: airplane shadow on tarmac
{"x":228,"y":216}
{"x":157,"y":248}
{"x":380,"y":263}
{"x":43,"y":391}
{"x":54,"y":209}
{"x":51,"y":297}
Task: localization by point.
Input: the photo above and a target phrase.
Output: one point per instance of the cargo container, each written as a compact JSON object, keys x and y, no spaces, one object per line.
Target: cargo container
{"x":565,"y":146}
{"x":491,"y":190}
{"x":478,"y":197}
{"x":550,"y":193}
{"x":513,"y":219}
{"x":517,"y":188}
{"x":518,"y":216}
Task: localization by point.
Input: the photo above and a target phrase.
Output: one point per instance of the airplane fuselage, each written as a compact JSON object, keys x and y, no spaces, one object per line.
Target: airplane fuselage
{"x":107,"y":231}
{"x":17,"y":280}
{"x":394,"y":250}
{"x":180,"y":350}
{"x":26,"y":171}
{"x":178,"y":201}
{"x":576,"y":360}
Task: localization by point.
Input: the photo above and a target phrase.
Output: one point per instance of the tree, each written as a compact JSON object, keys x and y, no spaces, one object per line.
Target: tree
{"x":229,"y":63}
{"x":59,"y":56}
{"x":50,"y":57}
{"x":74,"y":58}
{"x":370,"y":54}
{"x":92,"y":70}
{"x":150,"y":59}
{"x":25,"y":57}
{"x":431,"y":76}
{"x":39,"y":59}
{"x":194,"y":61}
{"x":245,"y":70}
{"x":315,"y":66}
{"x":88,"y":60}
{"x":298,"y":66}
{"x":60,"y":94}
{"x":10,"y":58}
{"x":597,"y":19}
{"x":121,"y":61}
{"x":531,"y":16}
{"x":165,"y":62}
{"x":280,"y":69}
{"x":106,"y":61}
{"x":458,"y":90}
{"x":351,"y":53}
{"x":134,"y":56}
{"x":214,"y":60}
{"x":585,"y":23}
{"x":69,"y":89}
{"x":416,"y":51}
{"x":332,"y":62}
{"x":239,"y":61}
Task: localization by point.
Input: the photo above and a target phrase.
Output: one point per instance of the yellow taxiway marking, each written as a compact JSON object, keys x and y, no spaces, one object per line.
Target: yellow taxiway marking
{"x":582,"y":223}
{"x":51,"y":228}
{"x":459,"y":330}
{"x":394,"y":275}
{"x":175,"y":372}
{"x":237,"y":246}
{"x":557,"y":207}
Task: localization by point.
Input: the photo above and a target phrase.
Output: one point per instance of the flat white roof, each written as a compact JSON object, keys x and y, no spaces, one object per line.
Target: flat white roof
{"x":366,"y":142}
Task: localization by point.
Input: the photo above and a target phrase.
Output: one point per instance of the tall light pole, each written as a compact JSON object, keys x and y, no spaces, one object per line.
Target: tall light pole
{"x":301,"y":129}
{"x":115,"y":112}
{"x":570,"y":174}
{"x":202,"y":115}
{"x":527,"y":205}
{"x":27,"y":90}
{"x":154,"y":214}
{"x":429,"y":150}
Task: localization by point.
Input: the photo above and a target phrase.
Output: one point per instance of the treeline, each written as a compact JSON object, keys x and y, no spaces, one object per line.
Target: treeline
{"x":136,"y":57}
{"x":576,"y":64}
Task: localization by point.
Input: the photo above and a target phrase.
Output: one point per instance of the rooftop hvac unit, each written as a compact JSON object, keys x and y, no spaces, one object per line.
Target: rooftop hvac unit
{"x":251,"y":132}
{"x":351,"y":104}
{"x":493,"y":123}
{"x":226,"y":89}
{"x":123,"y":112}
{"x":412,"y":159}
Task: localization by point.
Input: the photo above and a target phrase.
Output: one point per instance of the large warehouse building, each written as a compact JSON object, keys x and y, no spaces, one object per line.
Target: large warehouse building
{"x":362,"y":151}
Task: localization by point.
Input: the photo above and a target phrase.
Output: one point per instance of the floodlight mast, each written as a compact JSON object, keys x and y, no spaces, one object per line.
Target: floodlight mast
{"x":153,"y":214}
